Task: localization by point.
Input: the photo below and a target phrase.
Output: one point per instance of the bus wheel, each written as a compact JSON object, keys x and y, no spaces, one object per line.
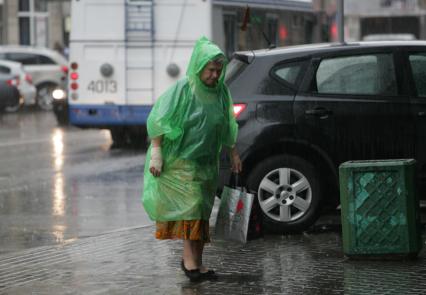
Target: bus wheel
{"x":120,"y":137}
{"x":138,"y":137}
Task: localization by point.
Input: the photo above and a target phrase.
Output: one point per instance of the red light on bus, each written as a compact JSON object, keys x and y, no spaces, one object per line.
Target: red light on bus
{"x":74,"y":66}
{"x":74,"y":86}
{"x":74,"y":76}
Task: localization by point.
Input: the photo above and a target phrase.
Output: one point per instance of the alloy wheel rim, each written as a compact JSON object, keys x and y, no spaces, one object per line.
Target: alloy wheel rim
{"x":285,"y":195}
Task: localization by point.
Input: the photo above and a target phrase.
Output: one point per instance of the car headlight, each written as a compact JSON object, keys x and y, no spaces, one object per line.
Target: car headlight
{"x":58,"y":94}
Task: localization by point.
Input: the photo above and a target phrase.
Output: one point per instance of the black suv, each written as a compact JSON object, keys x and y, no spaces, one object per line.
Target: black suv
{"x":304,"y":110}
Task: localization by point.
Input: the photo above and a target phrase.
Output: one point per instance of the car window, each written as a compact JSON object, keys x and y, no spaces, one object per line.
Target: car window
{"x":24,"y":58}
{"x":288,"y":73}
{"x":44,"y":60}
{"x":358,"y":75}
{"x":4,"y":70}
{"x":282,"y":79}
{"x":418,"y":68}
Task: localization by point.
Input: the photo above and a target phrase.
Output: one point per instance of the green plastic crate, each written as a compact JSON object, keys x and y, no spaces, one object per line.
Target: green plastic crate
{"x":379,"y":208}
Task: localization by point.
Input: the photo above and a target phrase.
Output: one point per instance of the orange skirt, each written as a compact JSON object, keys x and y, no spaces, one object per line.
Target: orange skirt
{"x":194,"y":230}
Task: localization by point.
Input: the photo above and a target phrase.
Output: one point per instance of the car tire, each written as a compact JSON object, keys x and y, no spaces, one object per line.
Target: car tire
{"x":44,"y":96}
{"x":288,"y":193}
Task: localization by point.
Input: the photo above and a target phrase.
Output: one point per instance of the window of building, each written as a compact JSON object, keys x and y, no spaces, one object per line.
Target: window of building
{"x":24,"y":5}
{"x":33,"y":22}
{"x":230,"y":25}
{"x":24,"y":31}
{"x":272,"y":29}
{"x":1,"y":24}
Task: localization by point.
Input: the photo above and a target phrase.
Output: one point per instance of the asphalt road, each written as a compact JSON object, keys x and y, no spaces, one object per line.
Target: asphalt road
{"x":58,"y":184}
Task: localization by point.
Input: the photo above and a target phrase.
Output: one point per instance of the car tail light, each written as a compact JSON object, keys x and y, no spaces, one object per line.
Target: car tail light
{"x":239,"y":108}
{"x":29,"y":78}
{"x":13,"y":82}
{"x":64,"y":69}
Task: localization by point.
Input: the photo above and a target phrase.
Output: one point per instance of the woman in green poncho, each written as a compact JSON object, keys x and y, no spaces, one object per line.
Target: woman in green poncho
{"x":188,"y":126}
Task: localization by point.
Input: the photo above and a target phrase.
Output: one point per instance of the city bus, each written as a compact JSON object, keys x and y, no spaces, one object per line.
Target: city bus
{"x":124,"y":53}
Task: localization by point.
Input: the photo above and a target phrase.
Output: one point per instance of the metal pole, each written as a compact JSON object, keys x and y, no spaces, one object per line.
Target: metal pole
{"x":341,"y":21}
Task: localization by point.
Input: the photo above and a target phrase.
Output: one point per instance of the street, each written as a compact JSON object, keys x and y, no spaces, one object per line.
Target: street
{"x":58,"y":184}
{"x":71,"y":222}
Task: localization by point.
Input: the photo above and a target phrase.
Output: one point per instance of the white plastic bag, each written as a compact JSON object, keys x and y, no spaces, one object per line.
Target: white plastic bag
{"x":234,"y":215}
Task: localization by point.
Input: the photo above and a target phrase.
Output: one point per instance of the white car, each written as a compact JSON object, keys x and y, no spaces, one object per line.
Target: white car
{"x":48,"y":68}
{"x":22,"y":80}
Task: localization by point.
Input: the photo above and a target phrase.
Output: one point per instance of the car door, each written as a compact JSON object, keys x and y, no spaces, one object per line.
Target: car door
{"x":352,"y":108}
{"x":416,"y":75}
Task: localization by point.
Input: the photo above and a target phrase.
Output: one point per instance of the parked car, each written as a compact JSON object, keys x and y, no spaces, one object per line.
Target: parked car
{"x":302,"y":111}
{"x":9,"y":94}
{"x":24,"y":84}
{"x":47,"y":67}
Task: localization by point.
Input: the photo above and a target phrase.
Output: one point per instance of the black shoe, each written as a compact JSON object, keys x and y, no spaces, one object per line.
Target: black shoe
{"x":194,"y":275}
{"x":209,"y":275}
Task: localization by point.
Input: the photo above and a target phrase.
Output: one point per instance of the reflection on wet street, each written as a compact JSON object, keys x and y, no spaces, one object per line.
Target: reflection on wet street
{"x":58,"y":183}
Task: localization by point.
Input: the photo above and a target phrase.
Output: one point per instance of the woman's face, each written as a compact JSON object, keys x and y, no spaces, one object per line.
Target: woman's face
{"x":211,"y":73}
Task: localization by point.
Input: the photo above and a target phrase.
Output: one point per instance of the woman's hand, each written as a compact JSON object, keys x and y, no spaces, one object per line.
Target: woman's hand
{"x":237,"y":166}
{"x":156,"y":162}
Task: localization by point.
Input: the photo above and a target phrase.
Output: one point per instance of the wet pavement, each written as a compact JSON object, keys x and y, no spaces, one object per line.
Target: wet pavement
{"x":133,"y":262}
{"x":58,"y":184}
{"x":71,"y":222}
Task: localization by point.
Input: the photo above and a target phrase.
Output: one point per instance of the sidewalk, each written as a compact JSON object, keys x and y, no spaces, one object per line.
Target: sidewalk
{"x":133,"y":262}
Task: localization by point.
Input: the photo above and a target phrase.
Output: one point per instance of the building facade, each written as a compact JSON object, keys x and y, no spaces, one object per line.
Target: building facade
{"x":271,"y":22}
{"x":280,"y":22}
{"x":35,"y":22}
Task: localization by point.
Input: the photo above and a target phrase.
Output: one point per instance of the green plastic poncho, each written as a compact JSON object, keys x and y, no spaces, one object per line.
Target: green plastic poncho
{"x":195,"y":121}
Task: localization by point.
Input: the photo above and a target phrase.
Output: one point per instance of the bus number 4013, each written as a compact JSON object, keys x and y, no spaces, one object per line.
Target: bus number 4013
{"x":101,"y":86}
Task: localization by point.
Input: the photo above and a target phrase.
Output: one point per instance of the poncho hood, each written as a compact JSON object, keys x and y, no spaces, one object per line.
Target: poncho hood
{"x":204,"y":52}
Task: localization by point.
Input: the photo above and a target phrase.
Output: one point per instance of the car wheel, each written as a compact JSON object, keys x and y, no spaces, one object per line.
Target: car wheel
{"x":44,"y":96}
{"x":288,"y":193}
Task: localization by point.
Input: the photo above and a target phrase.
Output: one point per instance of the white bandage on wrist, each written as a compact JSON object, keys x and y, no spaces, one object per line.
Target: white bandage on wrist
{"x":156,"y":158}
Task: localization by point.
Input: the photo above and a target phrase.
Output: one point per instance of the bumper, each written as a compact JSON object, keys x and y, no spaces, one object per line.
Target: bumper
{"x":108,"y":115}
